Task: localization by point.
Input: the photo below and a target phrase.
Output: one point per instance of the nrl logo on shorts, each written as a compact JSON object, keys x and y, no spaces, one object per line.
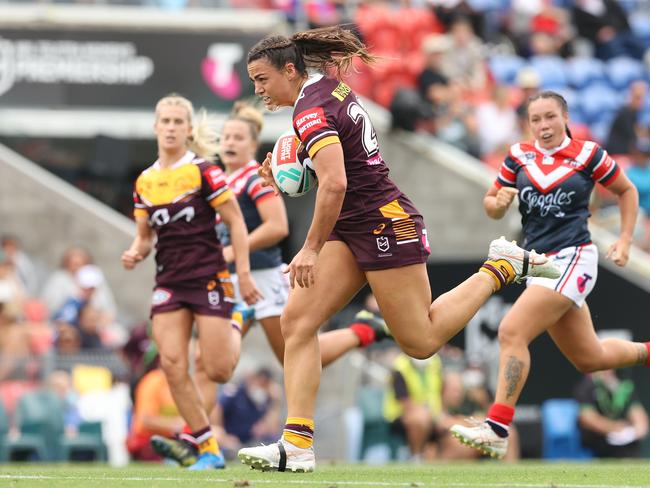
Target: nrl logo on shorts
{"x":160,"y":296}
{"x":213,"y":298}
{"x":382,"y":244}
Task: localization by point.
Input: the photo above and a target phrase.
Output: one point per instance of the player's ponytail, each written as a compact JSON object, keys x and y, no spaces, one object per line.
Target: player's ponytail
{"x":251,"y":116}
{"x":564,"y":106}
{"x":327,"y":49}
{"x":203,"y":139}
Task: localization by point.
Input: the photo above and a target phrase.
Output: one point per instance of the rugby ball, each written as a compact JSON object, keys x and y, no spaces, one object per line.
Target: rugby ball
{"x":294,"y":177}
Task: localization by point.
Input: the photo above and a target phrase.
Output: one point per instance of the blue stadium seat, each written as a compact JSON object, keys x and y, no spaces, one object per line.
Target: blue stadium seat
{"x":504,"y":68}
{"x":640,"y":24}
{"x":622,"y":70}
{"x":599,"y":101}
{"x":560,"y":430}
{"x":585,"y":71}
{"x":552,"y":71}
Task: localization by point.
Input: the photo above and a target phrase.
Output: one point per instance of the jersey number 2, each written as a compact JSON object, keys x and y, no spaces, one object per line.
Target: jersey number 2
{"x":369,"y":138}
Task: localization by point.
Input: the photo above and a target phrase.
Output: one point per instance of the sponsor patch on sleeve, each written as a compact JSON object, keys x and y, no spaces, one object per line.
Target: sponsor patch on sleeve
{"x":309,"y":121}
{"x":215,"y":177}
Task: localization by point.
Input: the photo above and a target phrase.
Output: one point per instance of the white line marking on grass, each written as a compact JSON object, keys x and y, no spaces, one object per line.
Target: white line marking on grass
{"x":307,"y":482}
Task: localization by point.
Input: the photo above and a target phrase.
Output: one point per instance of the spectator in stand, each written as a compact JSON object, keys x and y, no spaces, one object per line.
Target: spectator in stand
{"x":497,"y":122}
{"x":154,"y":413}
{"x":605,"y":23}
{"x":249,"y":413}
{"x":78,"y":311}
{"x":413,"y":403}
{"x":21,"y":262}
{"x":612,"y":420}
{"x":11,"y":289}
{"x":60,"y":383}
{"x":625,"y":132}
{"x":433,"y":47}
{"x":529,"y":82}
{"x":464,"y":61}
{"x":62,"y":284}
{"x":454,"y":120}
{"x":14,"y":340}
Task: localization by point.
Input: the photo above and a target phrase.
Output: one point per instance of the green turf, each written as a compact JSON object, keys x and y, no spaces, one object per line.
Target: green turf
{"x":483,"y":473}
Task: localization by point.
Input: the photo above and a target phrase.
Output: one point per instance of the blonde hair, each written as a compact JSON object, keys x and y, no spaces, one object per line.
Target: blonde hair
{"x":203,"y":140}
{"x":251,"y":116}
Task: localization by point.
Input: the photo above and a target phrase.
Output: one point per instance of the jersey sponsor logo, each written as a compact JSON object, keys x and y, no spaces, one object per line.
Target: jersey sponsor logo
{"x":161,"y":216}
{"x":309,"y":121}
{"x":160,"y":296}
{"x":214,"y":177}
{"x":379,"y":229}
{"x":550,"y":203}
{"x":341,"y":91}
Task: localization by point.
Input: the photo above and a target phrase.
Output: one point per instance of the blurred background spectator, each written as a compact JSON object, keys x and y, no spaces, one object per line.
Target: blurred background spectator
{"x":249,"y":412}
{"x":612,"y":421}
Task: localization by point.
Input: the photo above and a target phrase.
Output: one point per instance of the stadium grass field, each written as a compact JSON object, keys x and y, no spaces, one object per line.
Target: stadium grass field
{"x":595,"y":474}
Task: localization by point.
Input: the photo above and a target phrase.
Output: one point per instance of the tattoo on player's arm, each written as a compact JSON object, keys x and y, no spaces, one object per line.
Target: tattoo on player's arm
{"x":514,"y":368}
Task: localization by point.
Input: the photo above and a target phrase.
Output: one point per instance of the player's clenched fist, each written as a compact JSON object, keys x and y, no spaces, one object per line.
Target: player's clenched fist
{"x":131,"y":258}
{"x":505,"y":196}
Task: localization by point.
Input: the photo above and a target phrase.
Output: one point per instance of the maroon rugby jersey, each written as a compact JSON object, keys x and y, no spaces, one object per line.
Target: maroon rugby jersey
{"x":180,"y":203}
{"x":328,"y":112}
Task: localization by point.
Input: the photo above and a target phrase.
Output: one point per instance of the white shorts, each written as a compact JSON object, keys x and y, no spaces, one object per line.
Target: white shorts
{"x":274,"y":285}
{"x":579,"y":270}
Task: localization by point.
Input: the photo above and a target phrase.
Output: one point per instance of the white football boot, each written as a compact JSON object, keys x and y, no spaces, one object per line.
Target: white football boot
{"x":525,"y":263}
{"x":482,"y":438}
{"x":281,"y":456}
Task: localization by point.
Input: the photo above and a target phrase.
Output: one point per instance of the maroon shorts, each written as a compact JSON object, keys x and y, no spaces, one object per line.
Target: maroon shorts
{"x":212,"y":295}
{"x":391,"y":236}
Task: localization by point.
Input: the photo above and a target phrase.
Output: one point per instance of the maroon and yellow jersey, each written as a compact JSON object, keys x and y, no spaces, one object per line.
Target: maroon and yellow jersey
{"x":328,"y":112}
{"x":179,"y":203}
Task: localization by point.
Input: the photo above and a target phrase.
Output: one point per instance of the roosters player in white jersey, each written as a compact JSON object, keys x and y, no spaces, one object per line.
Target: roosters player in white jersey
{"x":554,"y":176}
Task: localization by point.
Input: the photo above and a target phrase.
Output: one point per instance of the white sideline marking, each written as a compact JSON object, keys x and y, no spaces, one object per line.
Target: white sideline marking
{"x":306,"y":482}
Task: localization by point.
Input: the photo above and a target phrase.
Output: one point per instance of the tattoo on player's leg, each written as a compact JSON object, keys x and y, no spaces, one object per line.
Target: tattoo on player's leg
{"x":514,"y":368}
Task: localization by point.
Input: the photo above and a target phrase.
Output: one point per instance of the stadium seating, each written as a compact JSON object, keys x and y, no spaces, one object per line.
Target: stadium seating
{"x":598,"y":102}
{"x":582,"y":71}
{"x":622,"y":70}
{"x":560,"y":430}
{"x":39,"y":417}
{"x":87,"y":440}
{"x":551,"y":70}
{"x":376,"y":430}
{"x":4,"y":429}
{"x":504,"y":68}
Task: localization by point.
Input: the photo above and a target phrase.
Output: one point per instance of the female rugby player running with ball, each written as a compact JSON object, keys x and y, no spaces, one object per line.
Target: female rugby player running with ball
{"x":364,"y":230}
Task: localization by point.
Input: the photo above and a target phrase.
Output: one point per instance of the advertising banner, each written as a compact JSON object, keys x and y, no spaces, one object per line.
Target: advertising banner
{"x":50,"y":68}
